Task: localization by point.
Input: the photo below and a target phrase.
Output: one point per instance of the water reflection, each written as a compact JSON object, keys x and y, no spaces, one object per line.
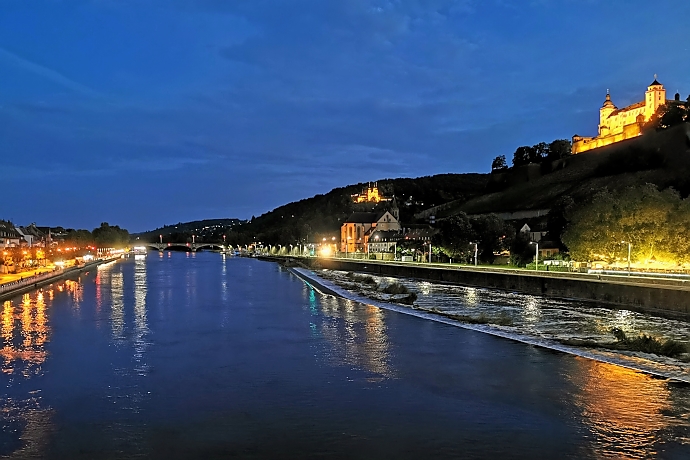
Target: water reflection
{"x":140,"y":319}
{"x":624,"y":410}
{"x":25,"y":331}
{"x":117,"y":312}
{"x":360,"y":339}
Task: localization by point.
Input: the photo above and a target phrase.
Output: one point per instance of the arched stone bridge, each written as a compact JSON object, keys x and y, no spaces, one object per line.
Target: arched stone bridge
{"x":188,"y":246}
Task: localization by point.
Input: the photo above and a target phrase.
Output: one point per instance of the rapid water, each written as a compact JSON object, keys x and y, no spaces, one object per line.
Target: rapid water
{"x":532,"y":319}
{"x":198,"y":356}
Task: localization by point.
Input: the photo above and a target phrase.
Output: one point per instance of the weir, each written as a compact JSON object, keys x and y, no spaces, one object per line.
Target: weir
{"x":669,"y":299}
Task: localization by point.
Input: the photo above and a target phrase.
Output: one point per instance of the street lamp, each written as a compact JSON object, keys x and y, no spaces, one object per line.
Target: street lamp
{"x":629,"y":247}
{"x":193,"y":236}
{"x":536,"y":255}
{"x":161,"y":238}
{"x":475,"y":254}
{"x":347,"y":243}
{"x":429,"y":251}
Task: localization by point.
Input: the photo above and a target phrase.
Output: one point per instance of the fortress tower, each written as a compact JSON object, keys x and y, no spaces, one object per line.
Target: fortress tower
{"x":616,"y":124}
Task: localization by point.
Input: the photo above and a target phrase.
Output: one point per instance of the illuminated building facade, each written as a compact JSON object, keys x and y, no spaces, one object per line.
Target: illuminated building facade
{"x":616,"y":124}
{"x":357,"y":229}
{"x":370,"y":195}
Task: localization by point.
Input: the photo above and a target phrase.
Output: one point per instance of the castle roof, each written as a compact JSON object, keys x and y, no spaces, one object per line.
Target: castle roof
{"x":656,"y":83}
{"x":636,"y":105}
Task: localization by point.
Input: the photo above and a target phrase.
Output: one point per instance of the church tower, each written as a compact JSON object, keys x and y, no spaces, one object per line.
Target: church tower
{"x":653,"y":98}
{"x":604,"y":112}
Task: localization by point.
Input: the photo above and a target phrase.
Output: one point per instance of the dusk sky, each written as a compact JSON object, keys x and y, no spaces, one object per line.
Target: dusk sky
{"x":144,"y":113}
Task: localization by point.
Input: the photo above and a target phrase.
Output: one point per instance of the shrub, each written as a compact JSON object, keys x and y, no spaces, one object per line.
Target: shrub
{"x":409,"y":299}
{"x":365,"y":279}
{"x":648,"y":344}
{"x":395,"y":288}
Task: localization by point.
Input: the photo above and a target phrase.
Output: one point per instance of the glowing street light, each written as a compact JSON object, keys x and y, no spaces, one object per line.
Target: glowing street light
{"x":536,"y":255}
{"x":629,"y":248}
{"x":347,"y":243}
{"x":475,"y":254}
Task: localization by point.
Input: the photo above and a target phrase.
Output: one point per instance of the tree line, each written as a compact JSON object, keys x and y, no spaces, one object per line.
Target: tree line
{"x":537,"y":153}
{"x":104,"y":236}
{"x":672,"y":114}
{"x":655,"y":222}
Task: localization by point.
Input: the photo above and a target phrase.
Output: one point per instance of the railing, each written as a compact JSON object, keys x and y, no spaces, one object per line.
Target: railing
{"x":29,"y":280}
{"x":33,"y":279}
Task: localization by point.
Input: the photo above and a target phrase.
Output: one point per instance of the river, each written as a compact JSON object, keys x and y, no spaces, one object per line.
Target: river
{"x":195,"y":355}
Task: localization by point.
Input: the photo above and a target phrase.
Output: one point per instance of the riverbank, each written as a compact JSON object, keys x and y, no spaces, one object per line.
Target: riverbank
{"x":32,"y":282}
{"x":668,"y":299}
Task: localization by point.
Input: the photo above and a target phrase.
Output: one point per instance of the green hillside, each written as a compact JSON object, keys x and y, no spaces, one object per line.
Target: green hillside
{"x":661,"y":158}
{"x":658,"y":157}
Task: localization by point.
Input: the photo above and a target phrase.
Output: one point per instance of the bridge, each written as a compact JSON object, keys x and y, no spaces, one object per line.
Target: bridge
{"x":193,"y":247}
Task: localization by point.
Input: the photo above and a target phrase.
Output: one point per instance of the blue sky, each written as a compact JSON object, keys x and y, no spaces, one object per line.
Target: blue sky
{"x":145,"y":112}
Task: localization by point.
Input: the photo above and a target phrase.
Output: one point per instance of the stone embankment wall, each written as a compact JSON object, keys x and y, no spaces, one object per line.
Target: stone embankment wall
{"x":668,"y":300}
{"x":14,"y":288}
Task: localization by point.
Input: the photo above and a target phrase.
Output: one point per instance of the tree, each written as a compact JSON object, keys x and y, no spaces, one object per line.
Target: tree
{"x":454,"y":236}
{"x":79,"y":238}
{"x":560,"y":148}
{"x":671,"y":115}
{"x":492,"y":235}
{"x":110,"y":236}
{"x":499,"y":164}
{"x":645,"y":217}
{"x":539,"y":152}
{"x":521,"y":251}
{"x":557,"y":219}
{"x":523,"y":155}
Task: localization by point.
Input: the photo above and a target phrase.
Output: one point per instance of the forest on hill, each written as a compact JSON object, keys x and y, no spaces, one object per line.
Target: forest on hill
{"x":321,"y":216}
{"x":535,"y":182}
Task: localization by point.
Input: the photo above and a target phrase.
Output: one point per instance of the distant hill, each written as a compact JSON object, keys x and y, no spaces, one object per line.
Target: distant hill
{"x":658,"y":157}
{"x":321,"y":216}
{"x":201,"y":228}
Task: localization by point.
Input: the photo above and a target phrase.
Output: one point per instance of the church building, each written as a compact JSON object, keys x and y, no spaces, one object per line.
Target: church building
{"x":616,"y":124}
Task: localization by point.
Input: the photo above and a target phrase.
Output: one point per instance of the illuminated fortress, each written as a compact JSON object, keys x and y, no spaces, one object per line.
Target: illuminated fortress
{"x":616,"y":124}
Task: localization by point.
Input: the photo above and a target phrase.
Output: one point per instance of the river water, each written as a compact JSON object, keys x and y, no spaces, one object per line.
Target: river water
{"x":181,"y":355}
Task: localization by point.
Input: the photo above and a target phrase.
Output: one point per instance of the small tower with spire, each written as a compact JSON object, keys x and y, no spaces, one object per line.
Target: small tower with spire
{"x":604,"y":112}
{"x":653,"y":98}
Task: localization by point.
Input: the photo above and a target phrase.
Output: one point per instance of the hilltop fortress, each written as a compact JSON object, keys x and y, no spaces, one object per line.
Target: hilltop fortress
{"x":616,"y":124}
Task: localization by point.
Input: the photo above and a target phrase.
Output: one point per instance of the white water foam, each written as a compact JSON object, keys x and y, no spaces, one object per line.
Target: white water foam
{"x":636,"y":363}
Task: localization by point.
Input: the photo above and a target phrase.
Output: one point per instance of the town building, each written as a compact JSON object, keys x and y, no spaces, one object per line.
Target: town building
{"x":9,"y":237}
{"x":32,"y":235}
{"x":357,"y":229}
{"x":616,"y":124}
{"x":384,"y":240}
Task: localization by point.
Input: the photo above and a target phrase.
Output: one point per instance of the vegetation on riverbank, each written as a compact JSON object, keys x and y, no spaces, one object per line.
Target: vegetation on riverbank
{"x":643,"y":343}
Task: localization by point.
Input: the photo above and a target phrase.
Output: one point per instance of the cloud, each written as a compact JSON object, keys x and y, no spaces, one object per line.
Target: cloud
{"x":46,"y":73}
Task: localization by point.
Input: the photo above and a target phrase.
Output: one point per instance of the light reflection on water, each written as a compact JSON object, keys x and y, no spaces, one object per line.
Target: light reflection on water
{"x":117,"y":305}
{"x":618,"y":413}
{"x":626,"y":411}
{"x":360,"y":339}
{"x":540,"y":316}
